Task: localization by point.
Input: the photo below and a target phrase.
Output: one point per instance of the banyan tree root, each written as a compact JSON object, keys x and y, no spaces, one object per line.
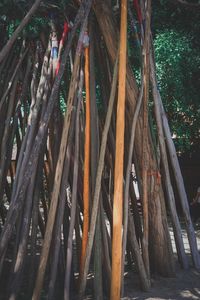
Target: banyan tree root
{"x":66,"y":174}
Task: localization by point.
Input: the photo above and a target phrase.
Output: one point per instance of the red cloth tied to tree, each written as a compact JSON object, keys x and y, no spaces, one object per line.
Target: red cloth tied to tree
{"x":64,"y":36}
{"x":138,"y":10}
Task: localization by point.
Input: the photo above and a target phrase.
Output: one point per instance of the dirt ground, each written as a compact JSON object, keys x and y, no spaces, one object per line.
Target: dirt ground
{"x":186,"y":285}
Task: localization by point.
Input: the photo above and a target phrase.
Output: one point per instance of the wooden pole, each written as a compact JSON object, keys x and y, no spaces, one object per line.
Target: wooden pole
{"x":74,"y":199}
{"x":86,"y":178}
{"x":169,"y":190}
{"x":59,"y":168}
{"x":98,"y":286}
{"x":145,"y":141}
{"x":97,"y":191}
{"x":119,"y":162}
{"x":162,"y":256}
{"x":18,"y":197}
{"x":179,"y":182}
{"x":142,"y":272}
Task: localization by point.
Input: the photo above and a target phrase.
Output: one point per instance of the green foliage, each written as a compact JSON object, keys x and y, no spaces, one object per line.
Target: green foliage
{"x":37,"y":25}
{"x":176,"y":34}
{"x":178,"y":71}
{"x":178,"y":67}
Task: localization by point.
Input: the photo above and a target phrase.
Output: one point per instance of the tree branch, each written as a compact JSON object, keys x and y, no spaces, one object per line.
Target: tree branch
{"x":186,"y":4}
{"x":21,"y":26}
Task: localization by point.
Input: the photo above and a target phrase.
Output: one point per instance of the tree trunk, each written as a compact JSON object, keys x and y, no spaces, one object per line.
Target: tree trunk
{"x":159,"y":239}
{"x":171,"y":199}
{"x":179,"y":182}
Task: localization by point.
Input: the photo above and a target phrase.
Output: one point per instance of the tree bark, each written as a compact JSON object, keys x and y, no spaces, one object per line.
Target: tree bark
{"x":145,"y":196}
{"x":179,"y":182}
{"x":98,"y":183}
{"x":171,"y":199}
{"x":18,"y":197}
{"x":159,"y":239}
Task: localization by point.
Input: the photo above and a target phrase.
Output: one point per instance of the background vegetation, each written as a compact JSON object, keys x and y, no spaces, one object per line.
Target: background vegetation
{"x":176,"y":32}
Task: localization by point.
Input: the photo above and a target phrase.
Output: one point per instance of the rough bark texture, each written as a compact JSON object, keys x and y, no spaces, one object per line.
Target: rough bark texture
{"x":160,"y":250}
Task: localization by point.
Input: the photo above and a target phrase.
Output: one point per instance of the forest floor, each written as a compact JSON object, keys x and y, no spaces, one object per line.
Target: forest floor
{"x":186,"y":284}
